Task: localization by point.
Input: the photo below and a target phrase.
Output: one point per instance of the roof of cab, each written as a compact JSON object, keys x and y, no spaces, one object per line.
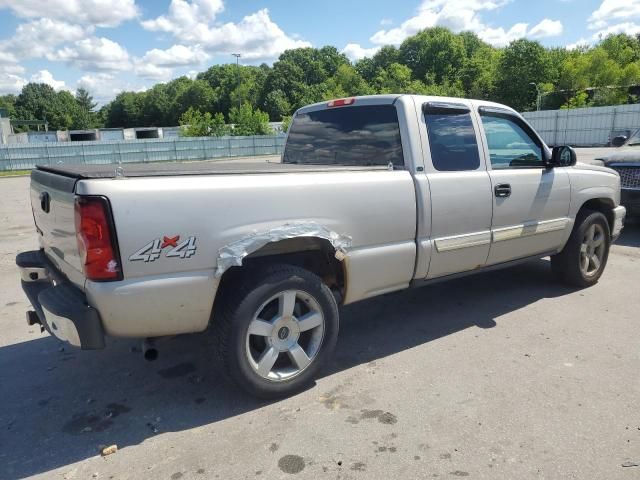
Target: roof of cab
{"x":391,"y":98}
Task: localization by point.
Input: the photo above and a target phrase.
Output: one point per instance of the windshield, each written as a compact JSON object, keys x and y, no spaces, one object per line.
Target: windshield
{"x":634,"y":139}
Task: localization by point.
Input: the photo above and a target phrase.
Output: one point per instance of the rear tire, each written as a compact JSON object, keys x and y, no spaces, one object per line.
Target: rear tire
{"x":584,"y":257}
{"x":275,"y":329}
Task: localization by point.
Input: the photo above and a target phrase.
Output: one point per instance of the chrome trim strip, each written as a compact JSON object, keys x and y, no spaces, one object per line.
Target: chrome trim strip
{"x":456,"y":242}
{"x":528,"y":229}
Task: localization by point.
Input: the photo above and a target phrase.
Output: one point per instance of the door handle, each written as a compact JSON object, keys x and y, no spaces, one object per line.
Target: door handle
{"x":503,"y":190}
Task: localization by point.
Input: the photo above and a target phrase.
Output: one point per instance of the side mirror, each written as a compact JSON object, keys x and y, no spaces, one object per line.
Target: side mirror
{"x":564,"y":156}
{"x":619,"y":140}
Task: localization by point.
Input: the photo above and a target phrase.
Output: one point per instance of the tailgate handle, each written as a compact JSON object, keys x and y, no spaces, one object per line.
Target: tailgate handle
{"x":45,"y":202}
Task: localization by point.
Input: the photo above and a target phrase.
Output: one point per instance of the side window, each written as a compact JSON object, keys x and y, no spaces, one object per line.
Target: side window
{"x":510,"y":146}
{"x":452,"y":140}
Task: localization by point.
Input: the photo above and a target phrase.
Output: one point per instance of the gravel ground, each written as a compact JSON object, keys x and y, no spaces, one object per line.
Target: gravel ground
{"x":505,"y":375}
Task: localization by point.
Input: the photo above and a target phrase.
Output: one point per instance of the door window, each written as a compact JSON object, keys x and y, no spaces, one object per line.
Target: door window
{"x":510,"y":146}
{"x":452,"y":140}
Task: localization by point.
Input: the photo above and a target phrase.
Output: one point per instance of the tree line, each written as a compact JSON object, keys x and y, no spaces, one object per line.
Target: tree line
{"x":435,"y":61}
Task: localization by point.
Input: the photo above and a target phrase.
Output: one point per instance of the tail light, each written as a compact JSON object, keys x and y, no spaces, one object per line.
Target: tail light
{"x":341,"y":102}
{"x":96,"y":239}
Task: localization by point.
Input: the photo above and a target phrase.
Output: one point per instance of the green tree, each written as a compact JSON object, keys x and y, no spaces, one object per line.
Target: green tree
{"x":194,"y":123}
{"x":523,"y":62}
{"x":85,"y":100}
{"x":125,"y":110}
{"x":286,"y":122}
{"x":276,"y":104}
{"x":436,"y":52}
{"x":249,"y":121}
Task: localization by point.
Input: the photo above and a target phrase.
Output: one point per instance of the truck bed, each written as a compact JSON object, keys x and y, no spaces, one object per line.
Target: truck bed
{"x":191,"y":168}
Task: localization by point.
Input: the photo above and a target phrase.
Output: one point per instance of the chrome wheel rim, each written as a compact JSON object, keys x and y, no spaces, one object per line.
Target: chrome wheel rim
{"x":592,"y":250}
{"x":285,"y":335}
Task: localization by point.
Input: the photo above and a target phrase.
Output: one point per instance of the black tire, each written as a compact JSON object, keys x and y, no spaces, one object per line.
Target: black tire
{"x":240,"y":303}
{"x":566,"y":264}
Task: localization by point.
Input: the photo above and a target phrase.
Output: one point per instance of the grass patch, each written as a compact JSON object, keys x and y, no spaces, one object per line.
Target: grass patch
{"x":14,"y":173}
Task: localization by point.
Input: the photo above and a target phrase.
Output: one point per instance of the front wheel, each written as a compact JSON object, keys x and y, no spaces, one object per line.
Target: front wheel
{"x":584,"y":257}
{"x":276,"y":330}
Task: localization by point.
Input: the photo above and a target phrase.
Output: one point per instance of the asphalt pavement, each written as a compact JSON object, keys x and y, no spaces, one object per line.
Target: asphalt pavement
{"x":504,"y":375}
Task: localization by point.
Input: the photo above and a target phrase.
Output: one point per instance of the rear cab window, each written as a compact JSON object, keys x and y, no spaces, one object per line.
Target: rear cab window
{"x":452,"y":137}
{"x":366,"y":135}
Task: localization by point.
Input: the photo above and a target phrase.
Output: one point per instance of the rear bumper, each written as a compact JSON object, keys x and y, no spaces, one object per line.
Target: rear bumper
{"x":61,"y":307}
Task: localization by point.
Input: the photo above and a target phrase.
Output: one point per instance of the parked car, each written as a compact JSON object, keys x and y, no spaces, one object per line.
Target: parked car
{"x":373,"y":195}
{"x":626,"y":161}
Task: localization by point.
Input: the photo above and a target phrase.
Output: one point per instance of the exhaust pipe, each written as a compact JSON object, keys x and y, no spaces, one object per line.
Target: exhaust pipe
{"x":149,"y":350}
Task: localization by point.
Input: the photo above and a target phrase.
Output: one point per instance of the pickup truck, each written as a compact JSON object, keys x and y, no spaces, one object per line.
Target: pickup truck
{"x":626,"y":161}
{"x":372,"y":195}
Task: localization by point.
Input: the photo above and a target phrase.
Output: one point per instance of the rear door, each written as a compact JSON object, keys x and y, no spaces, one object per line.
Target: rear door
{"x":460,"y":189}
{"x":530,"y":201}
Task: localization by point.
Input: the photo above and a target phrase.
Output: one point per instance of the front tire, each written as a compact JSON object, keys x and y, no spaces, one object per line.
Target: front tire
{"x":584,"y":257}
{"x":275,"y":330}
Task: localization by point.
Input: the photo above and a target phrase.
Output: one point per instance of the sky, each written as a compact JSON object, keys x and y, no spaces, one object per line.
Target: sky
{"x":107,"y":46}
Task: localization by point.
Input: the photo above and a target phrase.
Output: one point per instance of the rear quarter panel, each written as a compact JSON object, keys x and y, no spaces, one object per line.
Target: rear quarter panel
{"x":169,"y":295}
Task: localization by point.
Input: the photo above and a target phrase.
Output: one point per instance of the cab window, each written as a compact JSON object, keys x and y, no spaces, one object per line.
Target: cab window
{"x":452,"y":139}
{"x":510,"y":146}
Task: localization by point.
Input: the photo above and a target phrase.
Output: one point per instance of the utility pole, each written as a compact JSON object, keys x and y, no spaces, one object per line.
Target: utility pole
{"x":237,"y":55}
{"x":538,"y":96}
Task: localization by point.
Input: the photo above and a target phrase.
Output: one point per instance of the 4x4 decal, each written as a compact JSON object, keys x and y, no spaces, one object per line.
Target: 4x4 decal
{"x":155,"y":249}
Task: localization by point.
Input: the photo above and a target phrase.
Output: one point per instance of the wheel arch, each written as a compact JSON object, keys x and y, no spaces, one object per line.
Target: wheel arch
{"x":315,"y":254}
{"x":603,"y":205}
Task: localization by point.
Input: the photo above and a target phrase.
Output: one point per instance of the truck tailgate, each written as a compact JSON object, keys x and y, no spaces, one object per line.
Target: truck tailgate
{"x":52,"y":202}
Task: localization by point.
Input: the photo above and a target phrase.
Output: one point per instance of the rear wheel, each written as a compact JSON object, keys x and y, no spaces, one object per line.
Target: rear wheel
{"x":584,"y":257}
{"x":276,"y":330}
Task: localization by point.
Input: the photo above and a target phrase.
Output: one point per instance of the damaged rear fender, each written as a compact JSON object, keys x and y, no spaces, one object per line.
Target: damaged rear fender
{"x":232,"y":254}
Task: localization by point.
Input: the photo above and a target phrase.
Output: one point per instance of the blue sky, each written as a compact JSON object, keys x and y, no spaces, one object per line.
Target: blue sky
{"x":110,"y":45}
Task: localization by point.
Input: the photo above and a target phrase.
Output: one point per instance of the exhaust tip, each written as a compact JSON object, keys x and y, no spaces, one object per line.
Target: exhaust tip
{"x":149,"y":350}
{"x":150,"y":354}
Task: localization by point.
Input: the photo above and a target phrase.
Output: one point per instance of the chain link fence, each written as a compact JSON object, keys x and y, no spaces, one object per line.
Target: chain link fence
{"x":27,"y":156}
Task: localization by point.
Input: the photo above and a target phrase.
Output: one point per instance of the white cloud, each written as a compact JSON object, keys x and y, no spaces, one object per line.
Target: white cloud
{"x":94,"y":54}
{"x":101,"y":13}
{"x":613,"y":10}
{"x":45,"y":76}
{"x":464,"y":15}
{"x":256,"y":36}
{"x":356,"y":52}
{"x":630,"y":28}
{"x":580,"y":43}
{"x":615,"y":16}
{"x":546,"y":28}
{"x":105,"y":86}
{"x":184,"y":16}
{"x":10,"y":83}
{"x":499,"y":37}
{"x":39,"y":37}
{"x":153,"y":72}
{"x":158,"y":64}
{"x":176,"y":56}
{"x":9,"y":62}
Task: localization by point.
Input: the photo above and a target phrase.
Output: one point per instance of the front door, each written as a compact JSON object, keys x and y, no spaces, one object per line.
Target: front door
{"x":530,"y":201}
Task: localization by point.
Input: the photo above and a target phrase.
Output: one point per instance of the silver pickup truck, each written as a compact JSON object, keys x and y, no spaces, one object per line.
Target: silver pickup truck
{"x":372,"y":195}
